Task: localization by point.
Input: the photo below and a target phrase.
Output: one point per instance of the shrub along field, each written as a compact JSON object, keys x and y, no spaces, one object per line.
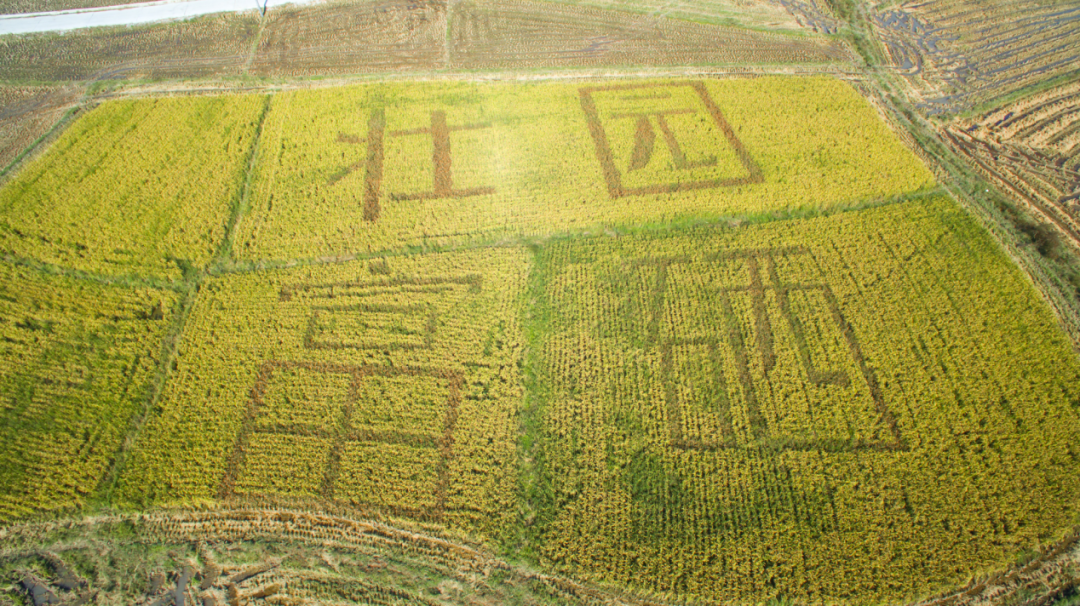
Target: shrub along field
{"x":709,"y":338}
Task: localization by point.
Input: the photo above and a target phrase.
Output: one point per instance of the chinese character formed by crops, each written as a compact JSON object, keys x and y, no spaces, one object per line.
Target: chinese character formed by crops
{"x":699,"y":151}
{"x":442,"y":175}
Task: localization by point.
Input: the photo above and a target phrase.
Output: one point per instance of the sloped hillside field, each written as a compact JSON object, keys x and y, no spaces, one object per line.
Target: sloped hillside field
{"x":709,"y":339}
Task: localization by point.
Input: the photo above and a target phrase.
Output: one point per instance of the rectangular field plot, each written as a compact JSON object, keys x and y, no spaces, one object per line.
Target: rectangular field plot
{"x":751,"y":403}
{"x":76,"y":361}
{"x":390,"y":385}
{"x":135,"y":187}
{"x":384,"y":166}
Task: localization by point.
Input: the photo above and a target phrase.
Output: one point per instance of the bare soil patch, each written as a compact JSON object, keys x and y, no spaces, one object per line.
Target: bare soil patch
{"x":28,"y":112}
{"x":532,"y":34}
{"x":337,"y":39}
{"x":209,"y":46}
{"x":957,"y":55}
{"x":1031,"y":150}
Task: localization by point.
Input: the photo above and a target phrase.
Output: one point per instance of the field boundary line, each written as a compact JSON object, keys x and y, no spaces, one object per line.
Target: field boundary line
{"x":246,"y":68}
{"x":222,"y":86}
{"x":124,"y":281}
{"x":495,"y":239}
{"x":40,"y":144}
{"x":102,"y":495}
{"x":241,"y":202}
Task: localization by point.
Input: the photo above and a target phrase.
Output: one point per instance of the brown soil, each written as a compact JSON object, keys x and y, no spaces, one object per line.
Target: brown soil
{"x":28,"y":112}
{"x":334,"y":39}
{"x":534,"y":34}
{"x":388,"y":36}
{"x":1030,"y":149}
{"x":956,"y":55}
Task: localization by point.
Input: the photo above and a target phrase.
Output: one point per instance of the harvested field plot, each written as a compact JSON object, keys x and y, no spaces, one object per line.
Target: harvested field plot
{"x":956,"y":55}
{"x":8,"y":7}
{"x":760,"y":15}
{"x":285,"y":555}
{"x":392,"y":385}
{"x":76,"y":360}
{"x":28,"y":112}
{"x":216,"y":45}
{"x":343,"y":38}
{"x":1031,"y":150}
{"x":380,"y":167}
{"x":134,"y":187}
{"x":744,"y":413}
{"x":501,"y":34}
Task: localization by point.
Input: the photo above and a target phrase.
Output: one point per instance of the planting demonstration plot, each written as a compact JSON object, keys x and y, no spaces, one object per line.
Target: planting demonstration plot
{"x":381,"y":167}
{"x":135,"y":187}
{"x":392,"y":385}
{"x":743,"y":413}
{"x":706,"y":338}
{"x":76,"y":361}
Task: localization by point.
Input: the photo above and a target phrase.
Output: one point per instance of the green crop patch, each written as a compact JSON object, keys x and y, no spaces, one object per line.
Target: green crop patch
{"x":744,"y":413}
{"x":383,"y":166}
{"x":76,"y":362}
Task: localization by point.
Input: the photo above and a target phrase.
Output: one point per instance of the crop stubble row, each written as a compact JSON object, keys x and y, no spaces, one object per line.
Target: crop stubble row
{"x":391,"y":36}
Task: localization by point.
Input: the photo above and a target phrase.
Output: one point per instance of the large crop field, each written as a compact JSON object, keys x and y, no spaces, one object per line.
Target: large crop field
{"x":581,"y":340}
{"x":875,"y":385}
{"x":377,"y":168}
{"x":76,"y":368}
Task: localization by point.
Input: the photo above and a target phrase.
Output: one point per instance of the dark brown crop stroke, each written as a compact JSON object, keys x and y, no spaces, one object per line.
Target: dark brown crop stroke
{"x":440,"y":438}
{"x":613,"y":177}
{"x":732,"y":336}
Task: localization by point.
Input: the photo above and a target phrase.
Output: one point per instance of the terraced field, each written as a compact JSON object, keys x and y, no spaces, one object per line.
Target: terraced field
{"x":957,"y":55}
{"x":1031,"y":149}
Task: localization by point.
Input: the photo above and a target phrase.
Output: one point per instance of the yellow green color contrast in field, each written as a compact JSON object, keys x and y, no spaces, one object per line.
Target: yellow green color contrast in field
{"x":836,"y":406}
{"x":390,"y":384}
{"x":392,"y":300}
{"x":379,"y":167}
{"x":136,"y":187}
